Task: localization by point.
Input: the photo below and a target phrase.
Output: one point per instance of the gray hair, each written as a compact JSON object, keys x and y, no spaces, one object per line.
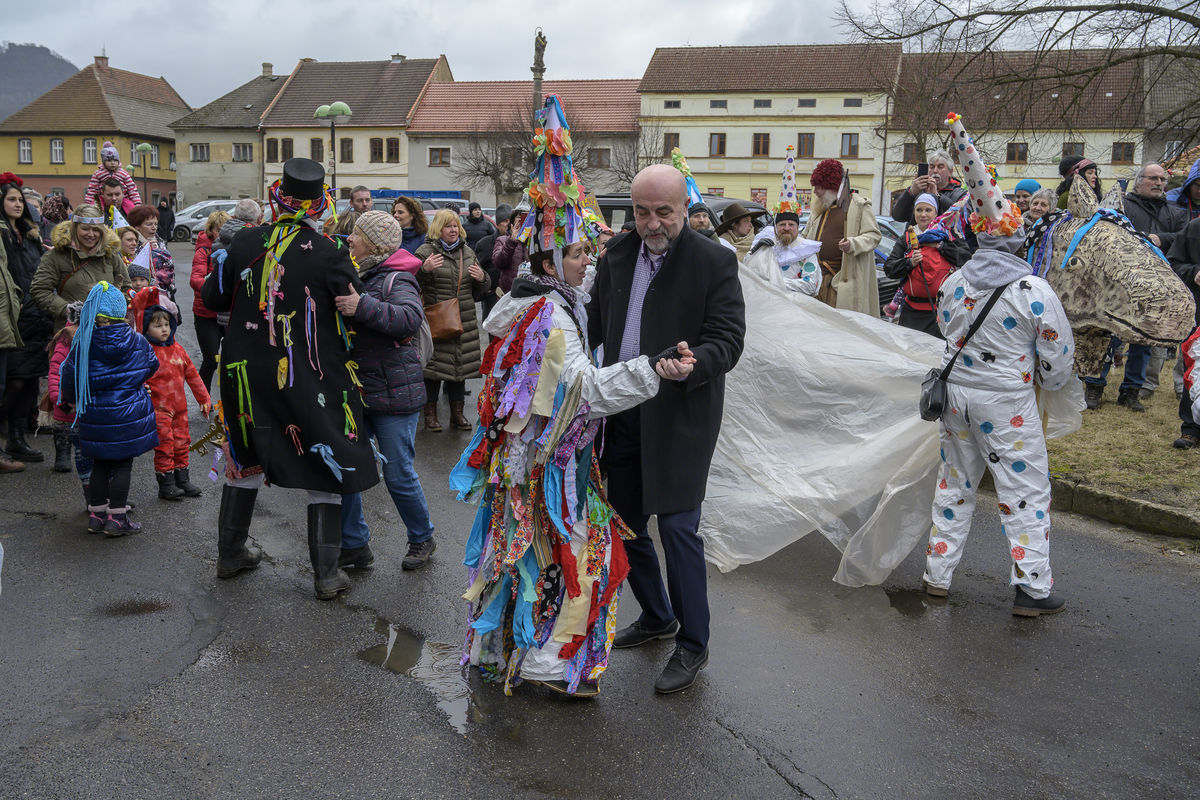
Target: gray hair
{"x":1141,"y":171}
{"x":940,"y":155}
{"x":247,"y":210}
{"x":1046,"y":194}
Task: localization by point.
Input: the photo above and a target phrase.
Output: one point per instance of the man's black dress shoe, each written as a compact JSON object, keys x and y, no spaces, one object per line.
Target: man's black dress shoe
{"x":636,"y":634}
{"x":681,"y":670}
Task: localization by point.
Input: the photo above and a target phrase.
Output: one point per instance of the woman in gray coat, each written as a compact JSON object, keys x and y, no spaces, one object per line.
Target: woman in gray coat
{"x":449,"y":269}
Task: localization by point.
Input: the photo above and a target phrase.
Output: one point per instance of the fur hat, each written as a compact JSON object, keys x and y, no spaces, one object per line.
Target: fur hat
{"x":109,"y":151}
{"x":828,"y":175}
{"x":380,"y":230}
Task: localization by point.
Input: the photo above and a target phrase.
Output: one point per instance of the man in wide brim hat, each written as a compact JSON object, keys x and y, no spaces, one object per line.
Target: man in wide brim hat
{"x":739,"y":234}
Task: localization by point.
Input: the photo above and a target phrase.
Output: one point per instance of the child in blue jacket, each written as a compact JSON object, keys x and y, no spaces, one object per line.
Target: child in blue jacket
{"x":104,"y":377}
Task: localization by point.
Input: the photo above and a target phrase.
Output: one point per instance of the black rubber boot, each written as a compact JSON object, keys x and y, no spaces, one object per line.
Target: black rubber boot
{"x":167,"y":490}
{"x":1129,"y":399}
{"x":233,"y":528}
{"x":184,"y":482}
{"x":1093,"y":396}
{"x":62,"y":452}
{"x":324,"y":549}
{"x":17,"y":447}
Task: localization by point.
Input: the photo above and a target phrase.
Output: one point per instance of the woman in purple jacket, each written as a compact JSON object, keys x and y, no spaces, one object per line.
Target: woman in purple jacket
{"x":387,"y":318}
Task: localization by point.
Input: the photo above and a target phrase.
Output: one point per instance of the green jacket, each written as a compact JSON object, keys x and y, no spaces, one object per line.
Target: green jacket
{"x":10,"y":306}
{"x":63,"y":277}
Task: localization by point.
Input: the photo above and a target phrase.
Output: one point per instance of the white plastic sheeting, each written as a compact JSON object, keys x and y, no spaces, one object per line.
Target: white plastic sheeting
{"x":821,"y":433}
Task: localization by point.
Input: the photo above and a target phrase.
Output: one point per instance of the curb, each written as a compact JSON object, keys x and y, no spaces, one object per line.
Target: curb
{"x":1143,"y":515}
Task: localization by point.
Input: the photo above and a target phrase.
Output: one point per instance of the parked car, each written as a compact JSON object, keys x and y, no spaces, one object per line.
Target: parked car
{"x":617,"y":209}
{"x":190,"y":221}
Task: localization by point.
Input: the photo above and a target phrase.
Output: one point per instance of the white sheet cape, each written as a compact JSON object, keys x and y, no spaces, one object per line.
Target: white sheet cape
{"x":821,"y":433}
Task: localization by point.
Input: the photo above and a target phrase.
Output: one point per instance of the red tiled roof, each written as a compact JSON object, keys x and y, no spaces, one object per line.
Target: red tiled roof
{"x":100,"y":99}
{"x":772,"y":68}
{"x":379,"y":93}
{"x":1036,"y":92}
{"x":595,"y":106}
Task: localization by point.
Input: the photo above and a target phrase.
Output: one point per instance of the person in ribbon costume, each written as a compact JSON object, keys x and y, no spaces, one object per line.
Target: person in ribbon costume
{"x":546,"y":556}
{"x":290,"y":400}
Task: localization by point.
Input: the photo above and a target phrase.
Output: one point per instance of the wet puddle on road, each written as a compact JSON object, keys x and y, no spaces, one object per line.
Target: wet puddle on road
{"x":138,"y":605}
{"x":434,"y":665}
{"x":912,"y":602}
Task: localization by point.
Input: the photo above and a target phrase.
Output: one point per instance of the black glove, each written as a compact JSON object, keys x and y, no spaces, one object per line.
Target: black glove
{"x":670,"y":352}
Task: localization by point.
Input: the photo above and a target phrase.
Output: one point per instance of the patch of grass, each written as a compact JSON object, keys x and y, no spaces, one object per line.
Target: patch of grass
{"x":1127,"y":452}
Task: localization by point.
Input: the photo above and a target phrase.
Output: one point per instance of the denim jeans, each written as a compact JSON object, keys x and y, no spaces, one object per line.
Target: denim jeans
{"x":1135,"y":366}
{"x":395,"y":435}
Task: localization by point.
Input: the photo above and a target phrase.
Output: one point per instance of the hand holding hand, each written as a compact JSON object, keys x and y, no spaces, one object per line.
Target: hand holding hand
{"x":476,"y":272}
{"x":348,"y":303}
{"x":433,"y":262}
{"x":844,"y":245}
{"x":676,"y":369}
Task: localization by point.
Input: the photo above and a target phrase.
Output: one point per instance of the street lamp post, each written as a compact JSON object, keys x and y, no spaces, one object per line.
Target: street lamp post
{"x":334,"y":112}
{"x":144,"y":148}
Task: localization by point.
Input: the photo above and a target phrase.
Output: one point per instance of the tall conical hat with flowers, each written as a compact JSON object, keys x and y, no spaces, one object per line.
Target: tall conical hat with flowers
{"x":680,"y":163}
{"x":556,"y":220}
{"x":789,"y":199}
{"x":991,"y":212}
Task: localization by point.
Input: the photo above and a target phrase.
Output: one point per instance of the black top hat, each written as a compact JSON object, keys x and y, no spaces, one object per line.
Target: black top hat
{"x":733,"y":213}
{"x":303,"y":179}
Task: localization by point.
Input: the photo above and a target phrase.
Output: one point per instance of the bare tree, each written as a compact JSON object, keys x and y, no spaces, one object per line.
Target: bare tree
{"x":1053,"y":61}
{"x":631,"y":154}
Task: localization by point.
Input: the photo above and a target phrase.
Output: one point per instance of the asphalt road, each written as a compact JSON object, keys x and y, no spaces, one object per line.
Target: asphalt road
{"x":129,"y":670}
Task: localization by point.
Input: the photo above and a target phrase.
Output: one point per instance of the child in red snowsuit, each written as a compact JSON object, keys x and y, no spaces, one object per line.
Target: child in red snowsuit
{"x":158,"y":320}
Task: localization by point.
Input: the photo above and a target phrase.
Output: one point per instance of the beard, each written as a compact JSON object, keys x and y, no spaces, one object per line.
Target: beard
{"x":786,"y":239}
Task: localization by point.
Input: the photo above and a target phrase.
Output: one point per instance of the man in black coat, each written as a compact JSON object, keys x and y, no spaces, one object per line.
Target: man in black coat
{"x":1185,"y":260}
{"x":291,"y":410}
{"x":656,"y":285}
{"x":166,"y":221}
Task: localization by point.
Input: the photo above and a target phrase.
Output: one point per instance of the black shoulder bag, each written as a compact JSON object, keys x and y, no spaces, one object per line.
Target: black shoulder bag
{"x":933,"y":388}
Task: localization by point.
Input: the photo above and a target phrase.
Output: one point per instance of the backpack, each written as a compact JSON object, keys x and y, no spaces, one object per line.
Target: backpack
{"x":423,"y":337}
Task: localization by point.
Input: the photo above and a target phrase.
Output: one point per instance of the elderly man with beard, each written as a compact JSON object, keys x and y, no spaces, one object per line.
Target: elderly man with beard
{"x":779,"y":252}
{"x":845,"y":226}
{"x":657,"y":284}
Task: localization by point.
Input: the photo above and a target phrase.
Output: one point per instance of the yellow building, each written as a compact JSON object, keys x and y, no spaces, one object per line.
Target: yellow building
{"x":54,"y":142}
{"x":371,"y":147}
{"x":734,"y":110}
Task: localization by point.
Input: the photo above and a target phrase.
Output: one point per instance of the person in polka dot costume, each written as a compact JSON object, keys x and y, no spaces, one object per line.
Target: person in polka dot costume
{"x":992,"y":421}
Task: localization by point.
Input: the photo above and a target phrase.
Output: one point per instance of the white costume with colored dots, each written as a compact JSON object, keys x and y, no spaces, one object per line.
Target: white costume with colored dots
{"x":793,"y":266}
{"x":992,"y":420}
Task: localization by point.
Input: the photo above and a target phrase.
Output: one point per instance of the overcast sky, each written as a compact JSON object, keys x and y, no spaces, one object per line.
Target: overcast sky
{"x":205,"y":48}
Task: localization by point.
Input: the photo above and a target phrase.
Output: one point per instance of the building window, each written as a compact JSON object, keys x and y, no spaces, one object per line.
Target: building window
{"x":272,"y":151}
{"x":852,"y":102}
{"x":806,"y":102}
{"x":912,"y":153}
{"x":171,"y":165}
{"x":346,"y":151}
{"x":1171,"y":150}
{"x":393,"y":150}
{"x":154,"y":156}
{"x":285,"y":149}
{"x":1017,"y":153}
{"x":716,"y":190}
{"x":155,"y":196}
{"x":762,"y":103}
{"x":849,"y":145}
{"x":762,"y":145}
{"x":316,"y":149}
{"x":805,"y":143}
{"x":439,"y":156}
{"x":89,"y":151}
{"x":671,"y":104}
{"x":134,"y":156}
{"x":24,"y":151}
{"x":243,"y":152}
{"x":199,"y":152}
{"x":599,"y":158}
{"x":1122,"y":153}
{"x":1073,"y":149}
{"x":718,"y":104}
{"x":375,"y":155}
{"x":670,"y":142}
{"x":716,"y":145}
{"x":57,"y":155}
{"x":759,"y":195}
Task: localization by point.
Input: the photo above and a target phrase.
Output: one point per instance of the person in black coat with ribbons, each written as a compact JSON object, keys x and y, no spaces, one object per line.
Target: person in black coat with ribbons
{"x":656,"y":285}
{"x":291,"y":406}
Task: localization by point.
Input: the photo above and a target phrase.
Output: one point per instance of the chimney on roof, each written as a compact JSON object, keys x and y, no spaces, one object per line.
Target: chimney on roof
{"x":397,"y":58}
{"x":267,"y":67}
{"x":102,"y":62}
